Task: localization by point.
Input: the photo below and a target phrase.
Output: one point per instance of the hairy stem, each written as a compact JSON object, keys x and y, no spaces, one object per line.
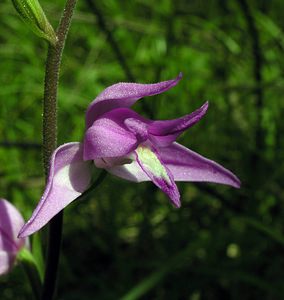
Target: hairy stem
{"x":49,"y":143}
{"x":51,"y":83}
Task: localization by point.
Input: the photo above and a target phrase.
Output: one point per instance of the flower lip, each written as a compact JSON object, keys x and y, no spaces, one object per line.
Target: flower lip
{"x":150,"y":162}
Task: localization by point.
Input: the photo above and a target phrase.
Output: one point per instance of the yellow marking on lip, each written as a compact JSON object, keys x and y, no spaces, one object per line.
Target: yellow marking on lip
{"x":152,"y":163}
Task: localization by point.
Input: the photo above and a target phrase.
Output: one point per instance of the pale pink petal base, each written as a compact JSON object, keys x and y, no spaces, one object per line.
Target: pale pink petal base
{"x":69,"y":177}
{"x":129,"y":171}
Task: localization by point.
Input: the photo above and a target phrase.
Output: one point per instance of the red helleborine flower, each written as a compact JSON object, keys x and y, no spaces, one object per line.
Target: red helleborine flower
{"x":128,"y":146}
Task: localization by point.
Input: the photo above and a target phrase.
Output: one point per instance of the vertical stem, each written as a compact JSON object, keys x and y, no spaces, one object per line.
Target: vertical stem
{"x":51,"y":83}
{"x":49,"y":143}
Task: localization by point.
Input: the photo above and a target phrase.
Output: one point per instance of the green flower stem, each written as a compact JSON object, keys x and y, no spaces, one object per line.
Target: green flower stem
{"x":49,"y":143}
{"x":30,"y":266}
{"x":51,"y":84}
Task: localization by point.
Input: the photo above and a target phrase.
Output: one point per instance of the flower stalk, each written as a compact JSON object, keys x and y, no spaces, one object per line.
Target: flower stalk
{"x":50,"y":140}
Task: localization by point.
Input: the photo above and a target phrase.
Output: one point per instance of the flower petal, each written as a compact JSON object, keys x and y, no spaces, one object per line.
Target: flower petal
{"x":69,"y":177}
{"x":163,"y":133}
{"x":7,"y":260}
{"x":11,"y":222}
{"x":187,"y":165}
{"x":124,"y":95}
{"x":161,"y":176}
{"x":115,"y":133}
{"x":147,"y":166}
{"x":105,"y":138}
{"x":129,"y":171}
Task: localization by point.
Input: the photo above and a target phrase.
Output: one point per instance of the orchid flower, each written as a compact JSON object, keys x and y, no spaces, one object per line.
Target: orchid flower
{"x":129,"y":146}
{"x":11,"y":222}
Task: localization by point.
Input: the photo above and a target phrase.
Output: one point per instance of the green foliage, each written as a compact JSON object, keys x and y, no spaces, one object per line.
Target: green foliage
{"x":32,"y":14}
{"x":126,"y":241}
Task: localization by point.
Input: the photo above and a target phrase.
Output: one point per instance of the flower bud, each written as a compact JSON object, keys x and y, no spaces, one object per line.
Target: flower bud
{"x":33,"y":15}
{"x":11,"y":222}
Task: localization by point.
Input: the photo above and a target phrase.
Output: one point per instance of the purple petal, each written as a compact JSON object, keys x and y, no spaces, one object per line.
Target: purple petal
{"x":105,"y":138}
{"x":186,"y":165}
{"x":69,"y":177}
{"x":157,"y":171}
{"x":124,"y":95}
{"x":138,"y":168}
{"x":11,"y":222}
{"x":115,"y":133}
{"x":163,"y":133}
{"x":138,"y":127}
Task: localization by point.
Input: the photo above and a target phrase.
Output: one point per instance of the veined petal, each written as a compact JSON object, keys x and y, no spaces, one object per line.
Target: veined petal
{"x":163,"y":133}
{"x":69,"y":177}
{"x":157,"y":171}
{"x":186,"y":165}
{"x":124,"y":95}
{"x":11,"y":222}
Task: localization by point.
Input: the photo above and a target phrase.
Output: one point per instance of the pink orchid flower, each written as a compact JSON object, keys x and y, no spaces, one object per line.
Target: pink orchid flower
{"x":11,"y":222}
{"x":128,"y":146}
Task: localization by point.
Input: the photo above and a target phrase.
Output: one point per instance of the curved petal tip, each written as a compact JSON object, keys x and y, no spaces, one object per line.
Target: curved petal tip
{"x":179,"y":77}
{"x":125,"y":94}
{"x":69,"y":177}
{"x":187,"y":165}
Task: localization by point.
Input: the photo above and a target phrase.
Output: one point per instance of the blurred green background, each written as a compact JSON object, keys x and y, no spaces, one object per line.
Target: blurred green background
{"x":127,"y":241}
